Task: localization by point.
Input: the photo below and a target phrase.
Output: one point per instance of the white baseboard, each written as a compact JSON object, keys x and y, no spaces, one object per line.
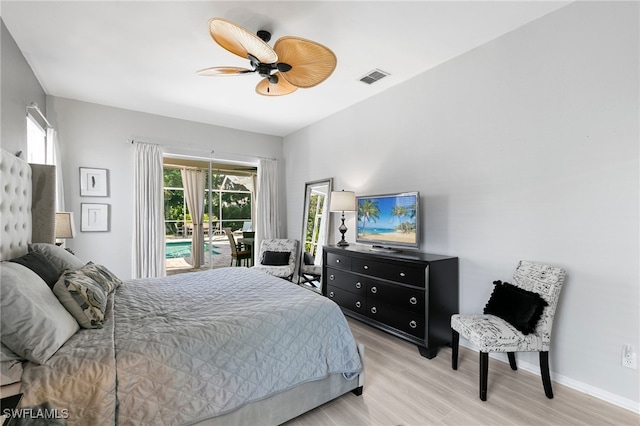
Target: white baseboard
{"x":602,"y":394}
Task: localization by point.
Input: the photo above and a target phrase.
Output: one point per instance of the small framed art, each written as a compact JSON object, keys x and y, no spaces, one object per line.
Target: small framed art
{"x":95,"y":217}
{"x":94,"y":182}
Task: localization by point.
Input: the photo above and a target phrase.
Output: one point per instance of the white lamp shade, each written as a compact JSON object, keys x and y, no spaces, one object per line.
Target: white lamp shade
{"x":65,"y":227}
{"x":343,"y":201}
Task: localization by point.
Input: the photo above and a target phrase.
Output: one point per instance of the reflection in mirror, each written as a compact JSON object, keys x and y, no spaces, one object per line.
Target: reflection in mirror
{"x":315,"y":223}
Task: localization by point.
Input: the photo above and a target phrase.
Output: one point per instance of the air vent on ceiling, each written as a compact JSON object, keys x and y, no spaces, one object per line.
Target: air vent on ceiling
{"x":374,"y":76}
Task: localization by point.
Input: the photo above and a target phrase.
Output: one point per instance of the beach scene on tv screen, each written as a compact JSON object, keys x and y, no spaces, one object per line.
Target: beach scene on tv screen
{"x":387,"y":219}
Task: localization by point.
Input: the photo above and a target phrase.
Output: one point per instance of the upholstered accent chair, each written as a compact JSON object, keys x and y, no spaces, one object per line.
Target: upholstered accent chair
{"x":277,"y":257}
{"x":491,"y":333}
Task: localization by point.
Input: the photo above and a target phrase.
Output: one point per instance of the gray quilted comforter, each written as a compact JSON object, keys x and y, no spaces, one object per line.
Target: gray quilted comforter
{"x":194,"y":346}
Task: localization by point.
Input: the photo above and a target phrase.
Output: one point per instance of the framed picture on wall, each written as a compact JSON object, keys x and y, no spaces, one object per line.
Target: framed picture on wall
{"x":95,"y":217}
{"x":94,"y":182}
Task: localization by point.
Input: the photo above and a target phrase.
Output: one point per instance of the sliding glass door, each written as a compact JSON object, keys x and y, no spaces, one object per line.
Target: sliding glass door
{"x":228,"y":203}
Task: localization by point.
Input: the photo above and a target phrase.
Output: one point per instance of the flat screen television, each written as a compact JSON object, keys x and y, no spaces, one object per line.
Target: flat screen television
{"x":389,"y":222}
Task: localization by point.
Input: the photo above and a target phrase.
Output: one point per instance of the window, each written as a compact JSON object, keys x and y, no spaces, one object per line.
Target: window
{"x":38,"y":150}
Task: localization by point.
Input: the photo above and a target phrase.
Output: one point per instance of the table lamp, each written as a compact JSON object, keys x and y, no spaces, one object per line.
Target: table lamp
{"x":65,"y":227}
{"x":343,"y":201}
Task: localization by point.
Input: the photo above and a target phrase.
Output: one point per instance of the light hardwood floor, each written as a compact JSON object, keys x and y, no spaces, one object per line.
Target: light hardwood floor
{"x":403,"y":388}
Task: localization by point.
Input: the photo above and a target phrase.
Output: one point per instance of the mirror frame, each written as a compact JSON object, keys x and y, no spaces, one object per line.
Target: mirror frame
{"x":308,"y":187}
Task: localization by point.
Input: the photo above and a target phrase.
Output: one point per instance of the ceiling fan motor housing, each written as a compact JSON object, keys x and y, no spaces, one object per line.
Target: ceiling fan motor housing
{"x":264,"y":35}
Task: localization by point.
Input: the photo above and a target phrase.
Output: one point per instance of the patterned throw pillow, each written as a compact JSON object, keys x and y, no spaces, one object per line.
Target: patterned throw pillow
{"x":83,"y":297}
{"x":102,"y":275}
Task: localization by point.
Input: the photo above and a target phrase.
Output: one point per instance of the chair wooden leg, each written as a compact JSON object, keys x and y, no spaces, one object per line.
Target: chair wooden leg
{"x":455,"y":341}
{"x":512,"y":360}
{"x":544,"y":372}
{"x":484,"y":374}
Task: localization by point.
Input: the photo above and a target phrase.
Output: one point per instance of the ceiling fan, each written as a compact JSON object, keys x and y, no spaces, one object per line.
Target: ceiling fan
{"x":293,"y":62}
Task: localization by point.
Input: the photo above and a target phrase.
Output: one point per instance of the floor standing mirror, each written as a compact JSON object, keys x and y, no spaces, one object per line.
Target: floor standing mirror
{"x":315,"y":223}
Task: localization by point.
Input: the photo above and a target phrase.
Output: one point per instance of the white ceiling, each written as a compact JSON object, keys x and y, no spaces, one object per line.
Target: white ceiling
{"x":143,"y":55}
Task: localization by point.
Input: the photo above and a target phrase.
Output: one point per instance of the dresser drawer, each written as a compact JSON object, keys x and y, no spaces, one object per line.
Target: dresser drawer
{"x":407,"y":321}
{"x":369,"y":267}
{"x":338,"y":261}
{"x":404,"y":298}
{"x":405,"y":274}
{"x":346,"y":281}
{"x":348,"y":300}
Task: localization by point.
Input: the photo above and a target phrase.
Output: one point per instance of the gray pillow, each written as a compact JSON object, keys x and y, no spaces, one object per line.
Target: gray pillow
{"x":60,"y":258}
{"x":39,"y":264}
{"x":84,"y":298}
{"x":33,"y":323}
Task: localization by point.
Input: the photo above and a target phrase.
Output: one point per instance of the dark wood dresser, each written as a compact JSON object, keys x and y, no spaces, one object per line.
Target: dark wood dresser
{"x":411,"y":295}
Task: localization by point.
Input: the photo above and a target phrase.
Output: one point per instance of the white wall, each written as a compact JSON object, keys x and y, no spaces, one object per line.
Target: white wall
{"x":19,"y":87}
{"x":524,"y":148}
{"x":96,"y":136}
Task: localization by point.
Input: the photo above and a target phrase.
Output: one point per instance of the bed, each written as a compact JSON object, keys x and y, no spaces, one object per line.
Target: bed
{"x":225,"y":346}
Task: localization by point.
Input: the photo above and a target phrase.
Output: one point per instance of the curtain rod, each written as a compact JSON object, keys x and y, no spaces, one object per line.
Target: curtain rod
{"x":215,"y":169}
{"x":211,"y":152}
{"x":35,"y":107}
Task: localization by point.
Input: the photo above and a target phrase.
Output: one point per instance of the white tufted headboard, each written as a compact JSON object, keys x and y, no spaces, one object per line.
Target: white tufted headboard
{"x":15,"y":205}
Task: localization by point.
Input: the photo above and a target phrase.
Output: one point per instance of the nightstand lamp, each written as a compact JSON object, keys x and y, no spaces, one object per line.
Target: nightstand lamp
{"x":343,"y":201}
{"x":64,"y":226}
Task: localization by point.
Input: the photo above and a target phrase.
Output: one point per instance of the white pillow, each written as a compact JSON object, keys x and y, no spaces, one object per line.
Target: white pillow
{"x":10,"y":366}
{"x":33,"y":323}
{"x":10,"y":372}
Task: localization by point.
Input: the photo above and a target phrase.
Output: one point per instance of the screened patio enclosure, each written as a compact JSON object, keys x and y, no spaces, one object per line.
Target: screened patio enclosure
{"x":227,"y":201}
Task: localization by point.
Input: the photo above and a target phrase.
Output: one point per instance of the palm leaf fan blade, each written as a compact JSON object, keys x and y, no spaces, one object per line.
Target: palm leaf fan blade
{"x":311,"y":63}
{"x":216,"y":71}
{"x":240,"y":41}
{"x":282,"y":87}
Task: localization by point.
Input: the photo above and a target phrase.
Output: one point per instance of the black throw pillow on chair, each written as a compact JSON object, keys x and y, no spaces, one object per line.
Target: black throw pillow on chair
{"x":520,"y":307}
{"x":275,"y":258}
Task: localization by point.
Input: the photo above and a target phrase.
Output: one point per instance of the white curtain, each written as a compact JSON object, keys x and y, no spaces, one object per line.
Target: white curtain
{"x":250,"y":182}
{"x":267,"y":217}
{"x":193,"y":183}
{"x":52,"y":138}
{"x":149,"y":232}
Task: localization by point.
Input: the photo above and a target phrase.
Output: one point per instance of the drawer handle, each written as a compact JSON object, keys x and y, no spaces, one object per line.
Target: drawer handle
{"x":366,"y":267}
{"x":413,"y":300}
{"x":374,"y":310}
{"x":413,"y":324}
{"x":402,"y":274}
{"x":374,"y":290}
{"x":358,"y":284}
{"x":337,"y":260}
{"x":358,"y":304}
{"x":331,"y":277}
{"x":330,"y":294}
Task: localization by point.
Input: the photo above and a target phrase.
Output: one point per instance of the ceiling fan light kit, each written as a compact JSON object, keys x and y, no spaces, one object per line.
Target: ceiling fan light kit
{"x":292,"y":63}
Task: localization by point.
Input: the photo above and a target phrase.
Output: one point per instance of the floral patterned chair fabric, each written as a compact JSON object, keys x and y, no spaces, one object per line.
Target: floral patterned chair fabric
{"x":268,"y":248}
{"x":490,"y":333}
